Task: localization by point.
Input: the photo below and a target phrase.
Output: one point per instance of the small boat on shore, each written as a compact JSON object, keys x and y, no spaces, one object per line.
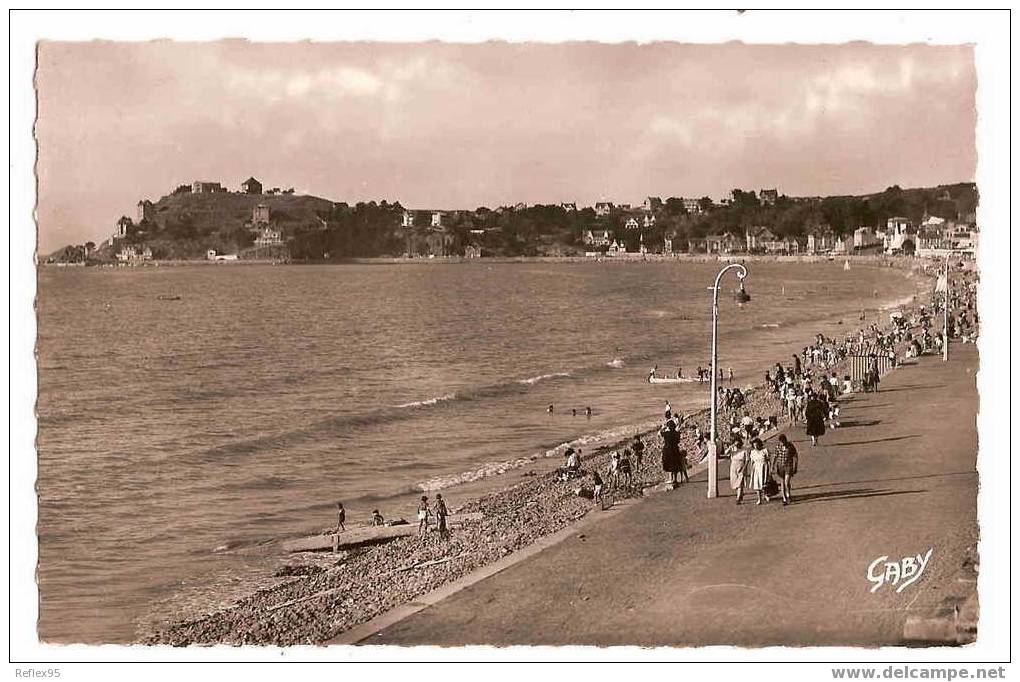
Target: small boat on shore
{"x":846,"y":265}
{"x":673,"y":380}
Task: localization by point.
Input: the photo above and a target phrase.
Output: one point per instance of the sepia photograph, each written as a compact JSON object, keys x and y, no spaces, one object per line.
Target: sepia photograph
{"x":364,"y":344}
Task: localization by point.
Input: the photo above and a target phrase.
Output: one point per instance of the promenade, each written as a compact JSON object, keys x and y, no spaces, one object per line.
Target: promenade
{"x":899,"y":478}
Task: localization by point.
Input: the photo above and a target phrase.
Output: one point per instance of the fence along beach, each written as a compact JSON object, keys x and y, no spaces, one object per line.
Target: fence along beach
{"x":333,"y":593}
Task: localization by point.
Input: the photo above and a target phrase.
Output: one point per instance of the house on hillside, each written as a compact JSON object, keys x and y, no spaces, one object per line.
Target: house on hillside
{"x":260,"y":215}
{"x":133,"y":254}
{"x":900,"y":236}
{"x":597,"y":237}
{"x":437,"y":219}
{"x":438,"y":243}
{"x":768,"y":197}
{"x":692,"y":206}
{"x":820,"y":239}
{"x":569,"y":206}
{"x":268,"y":236}
{"x":757,"y":238}
{"x":145,"y":211}
{"x":603,"y":208}
{"x":722,"y":243}
{"x":632,"y":224}
{"x":407,"y":220}
{"x":202,"y":187}
{"x":472,"y":251}
{"x":648,"y":221}
{"x":865,"y":237}
{"x":651,"y":204}
{"x":123,"y":227}
{"x":251,"y":186}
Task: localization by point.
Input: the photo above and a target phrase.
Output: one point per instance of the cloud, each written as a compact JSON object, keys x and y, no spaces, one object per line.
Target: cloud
{"x":274,"y":85}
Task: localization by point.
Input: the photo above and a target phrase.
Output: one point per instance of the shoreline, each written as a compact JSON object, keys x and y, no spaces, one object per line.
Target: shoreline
{"x":338,"y":595}
{"x":905,"y":262}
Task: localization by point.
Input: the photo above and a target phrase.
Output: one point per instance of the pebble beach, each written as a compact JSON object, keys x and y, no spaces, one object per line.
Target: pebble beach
{"x":327,"y":594}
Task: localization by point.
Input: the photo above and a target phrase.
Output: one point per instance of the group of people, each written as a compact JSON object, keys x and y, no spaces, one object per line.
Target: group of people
{"x":624,"y":465}
{"x":341,"y":518}
{"x":436,"y":515}
{"x":765,"y":473}
{"x":573,"y":411}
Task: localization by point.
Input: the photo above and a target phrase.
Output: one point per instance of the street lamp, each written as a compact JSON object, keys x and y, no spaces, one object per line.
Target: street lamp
{"x":742,"y":297}
{"x":945,"y":314}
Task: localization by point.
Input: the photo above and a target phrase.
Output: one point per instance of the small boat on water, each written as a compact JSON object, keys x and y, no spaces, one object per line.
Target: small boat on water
{"x":168,"y":297}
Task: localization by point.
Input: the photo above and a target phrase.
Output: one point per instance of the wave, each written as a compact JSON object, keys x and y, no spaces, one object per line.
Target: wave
{"x":898,"y":303}
{"x":490,"y":469}
{"x":429,"y":402}
{"x":343,"y":424}
{"x":531,"y":381}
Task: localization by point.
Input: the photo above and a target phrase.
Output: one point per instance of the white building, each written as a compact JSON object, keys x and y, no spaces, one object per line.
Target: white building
{"x":268,"y":236}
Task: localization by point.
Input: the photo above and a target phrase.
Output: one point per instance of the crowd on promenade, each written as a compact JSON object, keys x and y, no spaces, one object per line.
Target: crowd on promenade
{"x":805,"y":392}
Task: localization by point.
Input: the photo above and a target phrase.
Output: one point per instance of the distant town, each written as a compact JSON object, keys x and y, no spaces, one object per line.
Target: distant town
{"x":204,"y":220}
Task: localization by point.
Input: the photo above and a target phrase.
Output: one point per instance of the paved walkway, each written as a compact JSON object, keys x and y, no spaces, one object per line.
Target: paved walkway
{"x":677,"y":569}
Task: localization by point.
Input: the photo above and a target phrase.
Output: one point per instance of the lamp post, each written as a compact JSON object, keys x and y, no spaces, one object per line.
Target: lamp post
{"x":945,"y":314}
{"x":713,"y":443}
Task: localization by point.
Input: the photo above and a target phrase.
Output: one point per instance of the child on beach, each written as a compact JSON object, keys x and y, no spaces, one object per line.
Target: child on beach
{"x":597,"y":483}
{"x":834,"y":414}
{"x":623,"y":471}
{"x":614,"y":470}
{"x":377,"y":519}
{"x":341,"y":517}
{"x":639,"y":453}
{"x":423,"y":515}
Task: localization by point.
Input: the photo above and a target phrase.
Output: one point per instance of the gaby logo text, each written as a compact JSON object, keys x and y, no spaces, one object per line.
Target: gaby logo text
{"x":900,"y":574}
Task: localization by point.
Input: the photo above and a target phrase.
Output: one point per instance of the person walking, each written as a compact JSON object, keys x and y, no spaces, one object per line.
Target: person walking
{"x":784,"y":467}
{"x":758,"y":461}
{"x":440,"y":510}
{"x":738,"y":467}
{"x":815,"y":413}
{"x":672,"y":455}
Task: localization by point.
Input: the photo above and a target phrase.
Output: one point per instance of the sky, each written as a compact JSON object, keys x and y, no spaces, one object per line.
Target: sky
{"x":438,"y":125}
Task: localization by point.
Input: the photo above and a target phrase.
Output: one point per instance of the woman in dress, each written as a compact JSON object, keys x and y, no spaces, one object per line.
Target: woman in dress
{"x":738,"y":467}
{"x":758,"y":460}
{"x":815,"y":413}
{"x":785,"y":466}
{"x":672,"y":456}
